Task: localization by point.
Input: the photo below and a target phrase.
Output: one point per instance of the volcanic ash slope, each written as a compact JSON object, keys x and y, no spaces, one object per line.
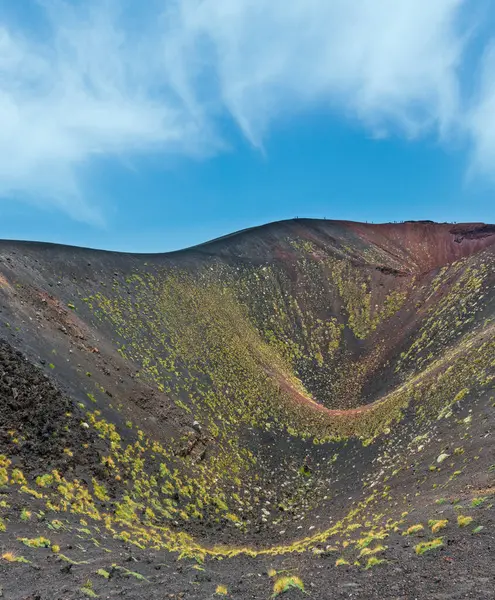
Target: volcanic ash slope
{"x":317,"y":387}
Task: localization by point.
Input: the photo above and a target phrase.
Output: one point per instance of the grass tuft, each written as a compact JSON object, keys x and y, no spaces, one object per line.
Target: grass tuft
{"x":39,"y":542}
{"x":464,"y":521}
{"x":423,"y":547}
{"x":221,"y":590}
{"x":373,"y":561}
{"x":437,"y":524}
{"x":12,"y":557}
{"x":103,"y":573}
{"x":413,"y":529}
{"x":284,"y":584}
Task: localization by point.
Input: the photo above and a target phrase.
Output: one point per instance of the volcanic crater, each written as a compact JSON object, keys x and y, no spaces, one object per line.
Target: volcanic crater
{"x":284,"y":410}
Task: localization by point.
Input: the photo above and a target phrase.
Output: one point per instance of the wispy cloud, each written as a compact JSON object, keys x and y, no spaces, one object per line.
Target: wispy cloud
{"x":386,"y":63}
{"x":108,"y":79}
{"x":480,"y":120}
{"x":92,"y":89}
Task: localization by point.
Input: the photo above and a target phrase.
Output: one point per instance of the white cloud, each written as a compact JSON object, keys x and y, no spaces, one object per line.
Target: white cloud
{"x":113,"y":82}
{"x":385,"y":62}
{"x":480,"y":121}
{"x":87,"y":93}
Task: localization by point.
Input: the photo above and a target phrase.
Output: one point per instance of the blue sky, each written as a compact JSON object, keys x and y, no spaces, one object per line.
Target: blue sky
{"x":154,"y":126}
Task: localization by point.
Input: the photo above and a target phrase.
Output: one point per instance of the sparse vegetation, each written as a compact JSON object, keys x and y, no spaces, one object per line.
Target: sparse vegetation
{"x":87,"y":590}
{"x":284,"y":584}
{"x":39,"y":542}
{"x":12,"y":557}
{"x":103,"y":573}
{"x":437,"y":524}
{"x":423,"y":547}
{"x":464,"y":521}
{"x":478,"y":501}
{"x":413,"y":529}
{"x":374,"y":561}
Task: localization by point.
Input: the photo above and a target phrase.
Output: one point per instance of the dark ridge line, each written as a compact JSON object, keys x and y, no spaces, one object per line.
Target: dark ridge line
{"x":240,"y":232}
{"x":462,"y":229}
